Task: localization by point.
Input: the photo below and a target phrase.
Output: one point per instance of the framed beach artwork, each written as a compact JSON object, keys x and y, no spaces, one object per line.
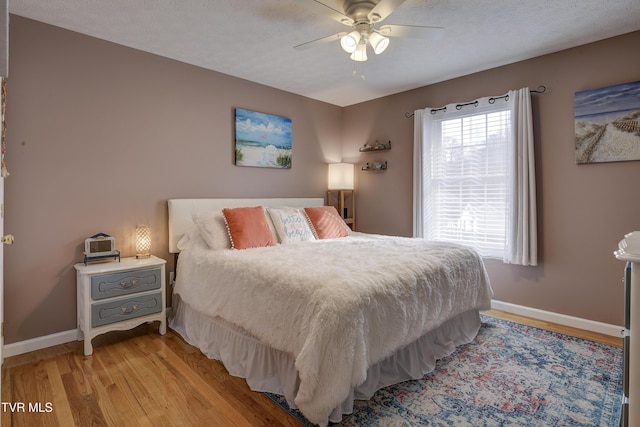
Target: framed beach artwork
{"x":607,"y":124}
{"x":262,"y":140}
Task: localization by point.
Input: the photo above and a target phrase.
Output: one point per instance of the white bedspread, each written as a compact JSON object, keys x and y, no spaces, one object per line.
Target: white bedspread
{"x":338,"y":306}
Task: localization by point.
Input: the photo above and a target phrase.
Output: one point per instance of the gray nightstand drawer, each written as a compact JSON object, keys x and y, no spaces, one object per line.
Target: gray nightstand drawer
{"x":128,"y":282}
{"x":116,"y":310}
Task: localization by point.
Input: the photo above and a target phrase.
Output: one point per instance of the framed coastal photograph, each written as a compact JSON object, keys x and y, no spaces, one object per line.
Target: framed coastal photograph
{"x":607,"y":123}
{"x":262,"y":140}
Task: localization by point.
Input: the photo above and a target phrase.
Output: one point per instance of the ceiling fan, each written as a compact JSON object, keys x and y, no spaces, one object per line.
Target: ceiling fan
{"x":363,"y":16}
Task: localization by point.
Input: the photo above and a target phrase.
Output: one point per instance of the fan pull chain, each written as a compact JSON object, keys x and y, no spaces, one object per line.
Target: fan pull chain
{"x":355,"y":70}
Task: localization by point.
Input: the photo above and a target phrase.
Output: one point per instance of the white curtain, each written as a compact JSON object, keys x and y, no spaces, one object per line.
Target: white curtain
{"x":520,"y":245}
{"x":418,"y":173}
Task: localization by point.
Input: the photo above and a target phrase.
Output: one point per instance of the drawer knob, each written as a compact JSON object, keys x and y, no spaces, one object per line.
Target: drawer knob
{"x":129,"y":310}
{"x":126,"y":285}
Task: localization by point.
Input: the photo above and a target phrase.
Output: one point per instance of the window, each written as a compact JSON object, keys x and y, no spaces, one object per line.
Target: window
{"x":474,"y":176}
{"x":468,"y":179}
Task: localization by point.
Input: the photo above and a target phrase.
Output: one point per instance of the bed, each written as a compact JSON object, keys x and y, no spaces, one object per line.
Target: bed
{"x":320,"y":321}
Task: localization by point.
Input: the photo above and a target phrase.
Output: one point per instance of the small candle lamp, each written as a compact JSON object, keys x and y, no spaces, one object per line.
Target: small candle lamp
{"x":143,"y":241}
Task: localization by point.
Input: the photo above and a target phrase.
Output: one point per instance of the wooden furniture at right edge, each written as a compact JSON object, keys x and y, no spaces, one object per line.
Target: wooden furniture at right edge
{"x":631,"y":367}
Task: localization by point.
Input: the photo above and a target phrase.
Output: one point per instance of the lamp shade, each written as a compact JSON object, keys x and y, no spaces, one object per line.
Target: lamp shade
{"x":143,"y":241}
{"x":378,"y":42}
{"x":350,"y":41}
{"x":340,"y":176}
{"x":360,"y":54}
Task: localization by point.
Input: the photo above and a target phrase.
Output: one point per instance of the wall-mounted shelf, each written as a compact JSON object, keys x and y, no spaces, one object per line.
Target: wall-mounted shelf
{"x":375,"y":166}
{"x":377,"y":146}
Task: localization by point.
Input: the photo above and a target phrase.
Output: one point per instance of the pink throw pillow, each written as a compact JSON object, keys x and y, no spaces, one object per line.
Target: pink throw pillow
{"x":327,"y":222}
{"x":248,"y":227}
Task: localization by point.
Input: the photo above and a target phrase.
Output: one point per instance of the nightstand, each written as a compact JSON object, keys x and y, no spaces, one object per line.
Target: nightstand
{"x":347,"y":213}
{"x":117,"y":296}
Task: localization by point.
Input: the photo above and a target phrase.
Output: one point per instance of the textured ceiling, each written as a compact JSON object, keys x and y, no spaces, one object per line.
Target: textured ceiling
{"x":254,"y":39}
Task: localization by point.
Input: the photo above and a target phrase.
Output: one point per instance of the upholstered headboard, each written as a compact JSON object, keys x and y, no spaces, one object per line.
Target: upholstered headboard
{"x":180,"y":211}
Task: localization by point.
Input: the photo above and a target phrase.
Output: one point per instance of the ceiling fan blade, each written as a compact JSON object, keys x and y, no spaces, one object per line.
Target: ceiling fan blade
{"x":325,"y":10}
{"x":411,"y":31}
{"x":384,"y":9}
{"x":320,"y":41}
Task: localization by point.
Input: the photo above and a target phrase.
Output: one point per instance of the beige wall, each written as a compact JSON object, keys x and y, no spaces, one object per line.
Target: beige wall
{"x":99,"y":136}
{"x":584,"y":210}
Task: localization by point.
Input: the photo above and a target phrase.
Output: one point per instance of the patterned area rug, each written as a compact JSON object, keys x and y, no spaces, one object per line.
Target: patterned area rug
{"x":510,"y":375}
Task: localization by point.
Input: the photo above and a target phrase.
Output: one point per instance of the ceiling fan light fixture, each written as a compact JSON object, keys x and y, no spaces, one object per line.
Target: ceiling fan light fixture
{"x":350,"y":42}
{"x":378,"y":42}
{"x":360,"y":54}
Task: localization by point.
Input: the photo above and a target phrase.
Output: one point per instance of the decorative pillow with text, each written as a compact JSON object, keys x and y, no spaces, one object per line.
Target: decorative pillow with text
{"x":291,"y":225}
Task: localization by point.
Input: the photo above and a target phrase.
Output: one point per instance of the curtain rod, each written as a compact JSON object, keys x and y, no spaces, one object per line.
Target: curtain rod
{"x":540,"y":89}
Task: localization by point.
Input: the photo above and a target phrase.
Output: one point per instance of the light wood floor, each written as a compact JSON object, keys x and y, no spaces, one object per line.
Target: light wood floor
{"x":593,"y":336}
{"x":139,"y":378}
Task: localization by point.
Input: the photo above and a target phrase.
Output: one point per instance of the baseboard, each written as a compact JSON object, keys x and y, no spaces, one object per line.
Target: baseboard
{"x":561,"y":319}
{"x":39,"y":343}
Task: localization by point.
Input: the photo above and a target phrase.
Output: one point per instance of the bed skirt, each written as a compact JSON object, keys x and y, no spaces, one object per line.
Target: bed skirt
{"x":269,"y":370}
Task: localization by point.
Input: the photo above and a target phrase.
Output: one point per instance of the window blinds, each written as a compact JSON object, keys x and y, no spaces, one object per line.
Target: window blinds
{"x":468,"y":180}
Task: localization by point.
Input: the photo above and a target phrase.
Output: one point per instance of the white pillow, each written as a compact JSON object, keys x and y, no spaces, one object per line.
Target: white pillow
{"x":213,"y":229}
{"x":190,"y":239}
{"x":291,"y":225}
